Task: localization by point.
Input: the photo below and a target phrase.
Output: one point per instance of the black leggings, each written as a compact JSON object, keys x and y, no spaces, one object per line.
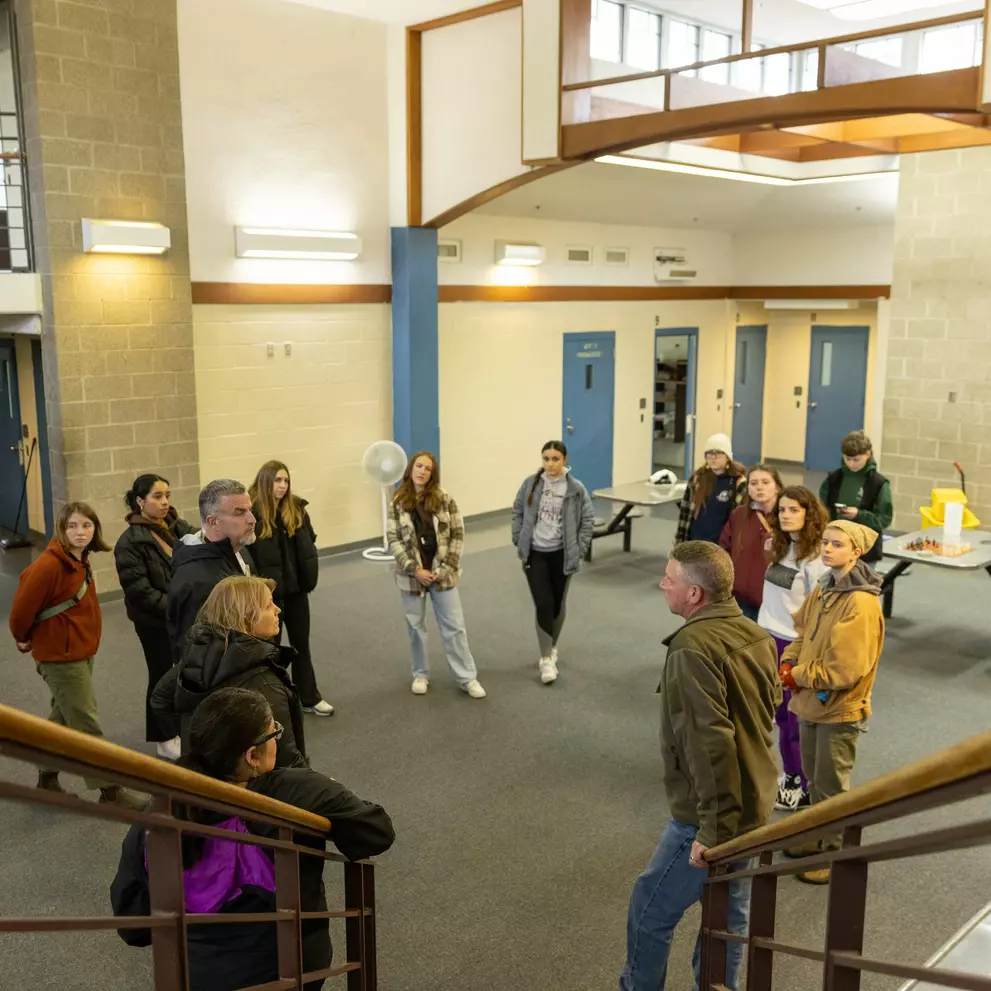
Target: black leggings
{"x":158,"y":657}
{"x":549,"y":588}
{"x":296,"y":619}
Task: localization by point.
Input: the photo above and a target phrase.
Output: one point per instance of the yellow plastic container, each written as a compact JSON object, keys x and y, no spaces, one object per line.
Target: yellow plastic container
{"x":935,"y":514}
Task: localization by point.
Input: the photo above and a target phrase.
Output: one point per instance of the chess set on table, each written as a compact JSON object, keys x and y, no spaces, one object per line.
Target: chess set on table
{"x":925,"y":547}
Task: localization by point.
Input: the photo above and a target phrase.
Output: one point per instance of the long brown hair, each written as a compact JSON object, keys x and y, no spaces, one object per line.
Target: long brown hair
{"x":405,"y":496}
{"x":809,"y":540}
{"x":263,"y":498}
{"x":551,"y":445}
{"x":704,"y":480}
{"x":84,"y":509}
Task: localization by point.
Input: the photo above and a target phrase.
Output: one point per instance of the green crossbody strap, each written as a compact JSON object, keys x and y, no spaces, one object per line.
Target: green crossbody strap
{"x":68,"y":604}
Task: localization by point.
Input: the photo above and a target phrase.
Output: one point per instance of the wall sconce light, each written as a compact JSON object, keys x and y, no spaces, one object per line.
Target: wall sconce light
{"x":517,"y":253}
{"x":276,"y":242}
{"x":125,"y":237}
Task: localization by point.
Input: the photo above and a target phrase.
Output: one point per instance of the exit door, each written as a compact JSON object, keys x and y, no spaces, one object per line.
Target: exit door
{"x":589,"y":388}
{"x":837,"y":387}
{"x":748,"y":394}
{"x":11,"y":472}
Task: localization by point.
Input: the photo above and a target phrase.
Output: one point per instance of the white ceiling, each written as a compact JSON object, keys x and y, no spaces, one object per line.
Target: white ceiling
{"x":616,"y":194}
{"x":394,"y":11}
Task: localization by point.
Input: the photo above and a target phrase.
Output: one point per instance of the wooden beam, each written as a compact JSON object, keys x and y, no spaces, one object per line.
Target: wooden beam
{"x":747,"y":28}
{"x":828,"y":152}
{"x":261,"y":293}
{"x":969,"y":138}
{"x":466,"y":15}
{"x":494,"y":192}
{"x":414,"y":127}
{"x":897,"y":126}
{"x":575,"y":62}
{"x":941,"y":92}
{"x":625,"y":294}
{"x":762,"y":142}
{"x":809,"y":292}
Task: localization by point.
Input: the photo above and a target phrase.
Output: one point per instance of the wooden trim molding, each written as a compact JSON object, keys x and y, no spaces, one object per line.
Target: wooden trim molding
{"x":627,"y":294}
{"x":414,"y":128}
{"x":466,"y":15}
{"x":266,"y":293}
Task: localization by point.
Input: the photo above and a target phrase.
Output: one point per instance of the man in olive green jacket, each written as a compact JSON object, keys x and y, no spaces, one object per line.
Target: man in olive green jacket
{"x":718,"y":692}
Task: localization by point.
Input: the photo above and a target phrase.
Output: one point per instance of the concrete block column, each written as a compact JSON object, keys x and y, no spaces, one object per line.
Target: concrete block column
{"x":103,"y":135}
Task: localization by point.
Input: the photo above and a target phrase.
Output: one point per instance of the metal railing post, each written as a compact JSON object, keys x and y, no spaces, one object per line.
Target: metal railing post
{"x":354,"y":927}
{"x":165,"y":891}
{"x":715,"y":915}
{"x":288,"y":933}
{"x":763,"y":909}
{"x":845,"y":909}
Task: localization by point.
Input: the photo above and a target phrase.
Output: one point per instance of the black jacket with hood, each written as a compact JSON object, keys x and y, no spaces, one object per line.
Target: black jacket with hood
{"x":236,"y":955}
{"x":291,"y":562}
{"x":214,"y":658}
{"x":197,"y":566}
{"x":144,"y":569}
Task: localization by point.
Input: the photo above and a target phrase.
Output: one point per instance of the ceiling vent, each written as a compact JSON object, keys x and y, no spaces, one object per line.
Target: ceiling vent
{"x":449,"y":251}
{"x":672,"y":265}
{"x":617,"y":256}
{"x":579,"y":255}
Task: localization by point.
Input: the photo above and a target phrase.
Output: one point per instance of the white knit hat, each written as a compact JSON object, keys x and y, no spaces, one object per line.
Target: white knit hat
{"x":719,"y":442}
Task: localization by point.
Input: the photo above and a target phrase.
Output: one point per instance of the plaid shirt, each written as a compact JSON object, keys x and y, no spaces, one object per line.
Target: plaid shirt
{"x":405,"y":548}
{"x":685,"y":516}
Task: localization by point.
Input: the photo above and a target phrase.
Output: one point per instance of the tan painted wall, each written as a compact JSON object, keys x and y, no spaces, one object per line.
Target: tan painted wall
{"x":317,"y":409}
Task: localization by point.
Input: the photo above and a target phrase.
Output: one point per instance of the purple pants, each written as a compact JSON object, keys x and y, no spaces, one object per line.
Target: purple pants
{"x":791,"y":751}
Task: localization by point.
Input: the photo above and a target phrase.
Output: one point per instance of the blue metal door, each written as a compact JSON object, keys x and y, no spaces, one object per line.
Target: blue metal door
{"x":748,"y":394}
{"x":837,"y":384}
{"x":589,"y":373}
{"x":11,"y":472}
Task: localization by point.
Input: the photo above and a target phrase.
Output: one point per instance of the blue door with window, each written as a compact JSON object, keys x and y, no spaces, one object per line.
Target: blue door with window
{"x":11,"y":472}
{"x":589,"y":388}
{"x":748,"y":394}
{"x":837,"y":388}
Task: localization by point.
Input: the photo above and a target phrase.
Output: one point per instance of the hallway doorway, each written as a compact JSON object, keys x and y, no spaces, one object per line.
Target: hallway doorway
{"x":674,"y":400}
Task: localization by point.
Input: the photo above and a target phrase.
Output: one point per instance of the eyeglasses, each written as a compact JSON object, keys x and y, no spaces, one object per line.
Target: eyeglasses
{"x":276,"y":734}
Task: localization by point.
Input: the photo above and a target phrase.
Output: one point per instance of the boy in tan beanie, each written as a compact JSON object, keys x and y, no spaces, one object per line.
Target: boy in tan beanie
{"x":831,"y":665}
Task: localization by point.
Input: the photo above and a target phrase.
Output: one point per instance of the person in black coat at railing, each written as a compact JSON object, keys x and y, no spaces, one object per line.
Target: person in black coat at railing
{"x":285,"y":550}
{"x":143,"y":556}
{"x":233,"y":738}
{"x":214,"y":553}
{"x":231,"y":645}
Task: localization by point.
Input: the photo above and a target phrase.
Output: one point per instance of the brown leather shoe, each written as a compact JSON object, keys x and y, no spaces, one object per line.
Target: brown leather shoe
{"x":113,"y":794}
{"x":48,"y":780}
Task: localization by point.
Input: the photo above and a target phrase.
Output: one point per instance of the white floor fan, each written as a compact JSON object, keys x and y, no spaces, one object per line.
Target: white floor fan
{"x":384,"y":462}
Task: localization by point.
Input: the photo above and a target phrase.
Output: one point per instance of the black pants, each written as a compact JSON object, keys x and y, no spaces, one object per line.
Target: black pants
{"x":296,"y":619}
{"x":549,"y":588}
{"x":158,"y":657}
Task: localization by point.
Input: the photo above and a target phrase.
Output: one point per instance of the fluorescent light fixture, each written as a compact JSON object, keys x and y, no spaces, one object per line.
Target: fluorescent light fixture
{"x":125,"y":237}
{"x":519,"y":253}
{"x":811,"y":304}
{"x":866,"y":10}
{"x":277,"y":242}
{"x":767,"y":180}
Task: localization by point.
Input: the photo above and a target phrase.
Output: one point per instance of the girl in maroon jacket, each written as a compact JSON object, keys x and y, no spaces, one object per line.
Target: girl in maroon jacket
{"x":56,"y":617}
{"x":748,"y":537}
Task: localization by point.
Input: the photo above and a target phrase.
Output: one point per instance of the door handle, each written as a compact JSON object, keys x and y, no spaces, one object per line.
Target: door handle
{"x":813,"y":405}
{"x":737,"y":405}
{"x":570,"y":429}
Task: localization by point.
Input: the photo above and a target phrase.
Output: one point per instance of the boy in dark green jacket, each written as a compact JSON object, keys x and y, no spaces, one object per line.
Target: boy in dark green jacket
{"x":858,"y":491}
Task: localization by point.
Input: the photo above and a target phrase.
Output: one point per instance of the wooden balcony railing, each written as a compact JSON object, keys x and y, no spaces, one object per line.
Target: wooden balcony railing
{"x":962,"y":772}
{"x":27,"y":738}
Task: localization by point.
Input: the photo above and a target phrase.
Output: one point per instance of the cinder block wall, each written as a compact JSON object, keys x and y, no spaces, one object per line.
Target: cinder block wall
{"x":937,"y":406}
{"x":104,"y":140}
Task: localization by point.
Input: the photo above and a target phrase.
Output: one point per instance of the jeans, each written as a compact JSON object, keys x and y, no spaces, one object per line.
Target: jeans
{"x":661,"y":895}
{"x":451,"y":623}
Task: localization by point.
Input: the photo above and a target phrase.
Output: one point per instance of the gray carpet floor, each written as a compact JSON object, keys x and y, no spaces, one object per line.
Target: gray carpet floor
{"x":522,"y":819}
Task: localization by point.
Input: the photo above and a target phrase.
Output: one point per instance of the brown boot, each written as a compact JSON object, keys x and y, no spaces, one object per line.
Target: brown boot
{"x":805,"y":850}
{"x":48,"y":780}
{"x":115,"y":795}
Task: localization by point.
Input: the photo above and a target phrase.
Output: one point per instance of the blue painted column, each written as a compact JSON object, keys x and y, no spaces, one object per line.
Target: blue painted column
{"x":415,"y":409}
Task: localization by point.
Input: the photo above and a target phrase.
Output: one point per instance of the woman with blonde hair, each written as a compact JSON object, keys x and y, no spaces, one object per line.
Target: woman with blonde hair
{"x":425,"y":534}
{"x":230,"y":646}
{"x":285,"y":550}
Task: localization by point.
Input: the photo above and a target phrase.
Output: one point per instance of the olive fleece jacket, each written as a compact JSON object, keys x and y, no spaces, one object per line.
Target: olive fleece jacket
{"x":840,"y":633}
{"x":718,"y":694}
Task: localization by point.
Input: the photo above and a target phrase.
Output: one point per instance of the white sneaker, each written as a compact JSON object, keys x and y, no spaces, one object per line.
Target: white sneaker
{"x":170,"y":749}
{"x":322,"y":708}
{"x":419,"y":686}
{"x":548,"y":670}
{"x":474,"y":689}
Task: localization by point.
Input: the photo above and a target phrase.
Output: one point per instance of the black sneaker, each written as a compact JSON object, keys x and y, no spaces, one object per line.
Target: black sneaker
{"x":805,"y":801}
{"x":789,"y":793}
{"x":48,"y":781}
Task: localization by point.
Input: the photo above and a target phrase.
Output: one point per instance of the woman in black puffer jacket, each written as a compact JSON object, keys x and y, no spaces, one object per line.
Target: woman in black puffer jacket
{"x":285,"y":551}
{"x":143,"y":556}
{"x":231,"y":645}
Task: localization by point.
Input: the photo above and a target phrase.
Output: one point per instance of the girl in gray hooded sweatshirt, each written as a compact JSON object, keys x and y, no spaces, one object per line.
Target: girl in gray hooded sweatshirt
{"x":553,"y":522}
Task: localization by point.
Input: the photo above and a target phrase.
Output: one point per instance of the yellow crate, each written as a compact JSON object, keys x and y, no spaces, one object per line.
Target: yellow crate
{"x":934,"y":515}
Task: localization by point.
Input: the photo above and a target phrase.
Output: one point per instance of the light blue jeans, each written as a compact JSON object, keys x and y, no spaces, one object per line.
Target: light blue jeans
{"x":661,"y":895}
{"x":451,"y":623}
